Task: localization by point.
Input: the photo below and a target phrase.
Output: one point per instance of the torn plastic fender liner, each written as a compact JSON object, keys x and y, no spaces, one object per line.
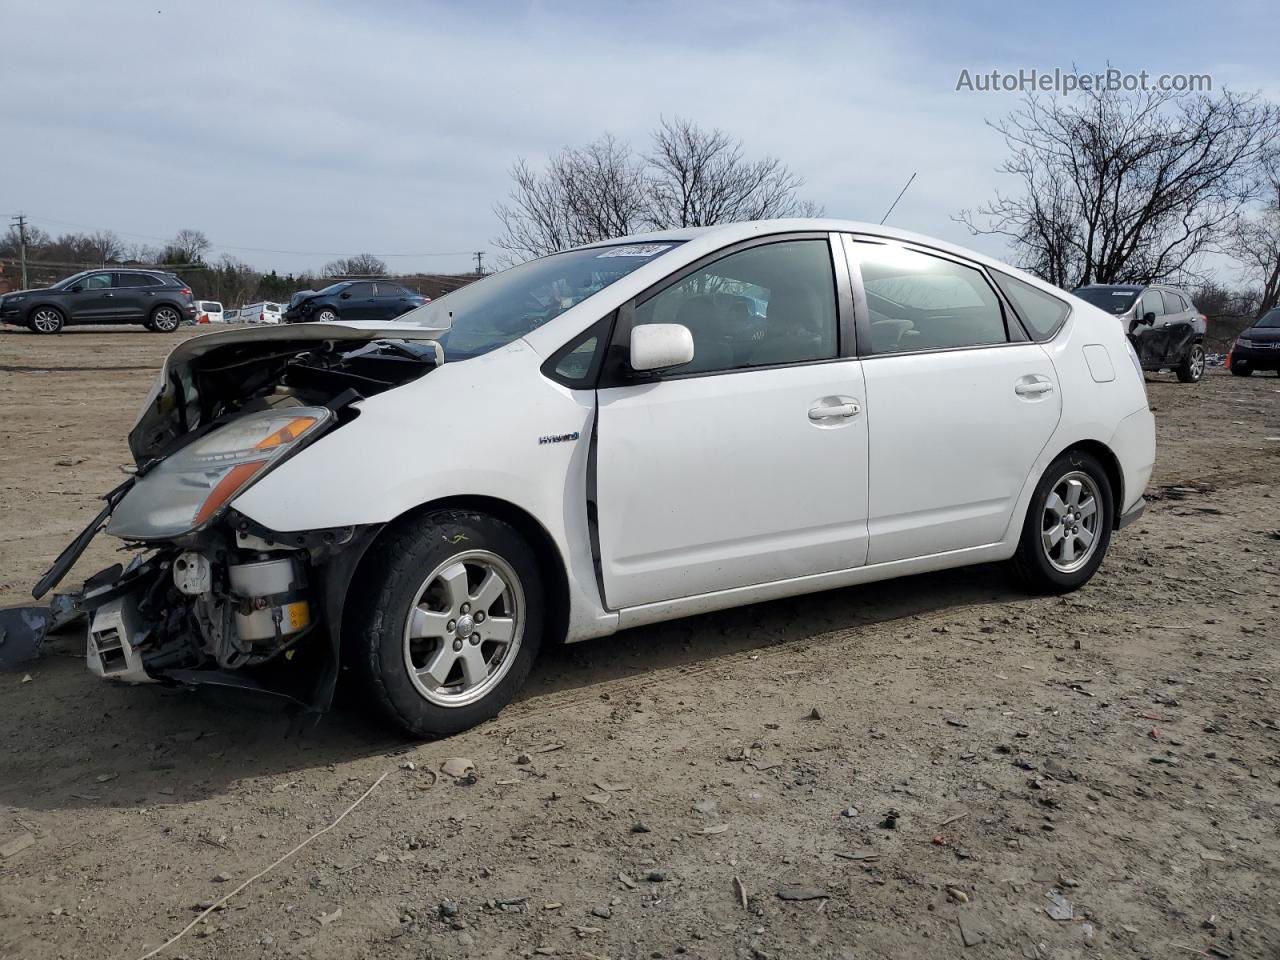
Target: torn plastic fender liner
{"x":71,"y":553}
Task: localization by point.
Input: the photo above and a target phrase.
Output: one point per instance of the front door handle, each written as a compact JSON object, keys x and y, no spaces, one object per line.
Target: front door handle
{"x":1033,"y":386}
{"x":836,"y":411}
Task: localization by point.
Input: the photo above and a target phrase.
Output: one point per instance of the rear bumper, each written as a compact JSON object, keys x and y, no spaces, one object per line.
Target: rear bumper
{"x":1132,"y":514}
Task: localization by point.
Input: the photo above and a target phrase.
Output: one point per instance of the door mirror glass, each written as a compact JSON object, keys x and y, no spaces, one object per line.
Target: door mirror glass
{"x":657,"y":346}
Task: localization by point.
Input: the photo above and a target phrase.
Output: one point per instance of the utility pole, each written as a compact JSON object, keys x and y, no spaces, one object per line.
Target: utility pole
{"x":21,"y":220}
{"x":479,"y":255}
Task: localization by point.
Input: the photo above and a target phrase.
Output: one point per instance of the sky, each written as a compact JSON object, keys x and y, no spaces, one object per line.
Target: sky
{"x":292,"y":132}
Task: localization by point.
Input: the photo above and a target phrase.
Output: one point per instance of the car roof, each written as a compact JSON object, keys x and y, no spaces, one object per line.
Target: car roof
{"x":1113,"y":286}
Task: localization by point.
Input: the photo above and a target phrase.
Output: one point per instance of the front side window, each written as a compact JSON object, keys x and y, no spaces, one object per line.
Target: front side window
{"x":1041,"y":313}
{"x":96,"y":281}
{"x":1151,"y":303}
{"x":916,"y":301}
{"x":359,"y":291}
{"x":503,"y":307}
{"x":766,"y":305}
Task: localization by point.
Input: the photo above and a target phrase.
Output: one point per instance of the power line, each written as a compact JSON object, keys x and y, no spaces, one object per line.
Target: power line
{"x":898,"y":197}
{"x":232,"y":246}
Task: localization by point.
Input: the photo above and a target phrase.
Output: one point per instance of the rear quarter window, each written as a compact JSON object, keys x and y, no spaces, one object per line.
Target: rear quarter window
{"x":1041,"y":313}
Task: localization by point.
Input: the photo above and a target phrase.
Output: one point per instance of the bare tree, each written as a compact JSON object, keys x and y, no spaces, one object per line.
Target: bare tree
{"x":586,"y":194}
{"x":1119,"y":187}
{"x":1255,"y":243}
{"x":690,"y":177}
{"x":361,"y":265}
{"x":105,"y":246}
{"x":700,"y":177}
{"x":188,"y":246}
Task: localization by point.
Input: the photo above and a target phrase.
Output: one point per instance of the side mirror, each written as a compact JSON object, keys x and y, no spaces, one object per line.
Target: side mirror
{"x":1148,"y":318}
{"x":76,"y":288}
{"x":656,"y":346}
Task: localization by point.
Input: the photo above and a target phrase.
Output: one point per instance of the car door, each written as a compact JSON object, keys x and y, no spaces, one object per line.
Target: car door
{"x":357,"y":302}
{"x":390,"y":300}
{"x":1150,"y":339}
{"x":749,"y":464}
{"x":92,"y":298}
{"x":959,"y":404}
{"x":134,"y":295}
{"x":1178,"y":328}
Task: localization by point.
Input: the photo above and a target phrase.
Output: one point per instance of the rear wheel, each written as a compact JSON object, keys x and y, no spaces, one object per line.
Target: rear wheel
{"x":46,"y":320}
{"x":1192,"y":367}
{"x":164,"y":319}
{"x":445,"y":622}
{"x":1068,"y":525}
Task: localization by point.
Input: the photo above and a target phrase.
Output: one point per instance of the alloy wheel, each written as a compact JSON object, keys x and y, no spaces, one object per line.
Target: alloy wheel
{"x":166,"y":320}
{"x":465,"y":628}
{"x":1069,"y":522}
{"x":46,"y":320}
{"x":1196,"y":364}
{"x":326,"y":316}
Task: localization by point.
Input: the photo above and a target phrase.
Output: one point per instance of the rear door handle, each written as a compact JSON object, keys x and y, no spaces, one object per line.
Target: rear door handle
{"x":836,"y":411}
{"x":1033,"y":386}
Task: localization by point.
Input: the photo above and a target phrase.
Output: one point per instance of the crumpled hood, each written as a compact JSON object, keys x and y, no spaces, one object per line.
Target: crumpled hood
{"x":172,"y":407}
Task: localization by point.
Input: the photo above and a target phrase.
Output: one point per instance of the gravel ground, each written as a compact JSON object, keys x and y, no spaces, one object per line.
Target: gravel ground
{"x":937,"y":766}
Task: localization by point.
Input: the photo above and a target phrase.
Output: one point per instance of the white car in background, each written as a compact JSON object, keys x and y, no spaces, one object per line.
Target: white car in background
{"x":264,"y":312}
{"x":620,"y":434}
{"x":208,"y":311}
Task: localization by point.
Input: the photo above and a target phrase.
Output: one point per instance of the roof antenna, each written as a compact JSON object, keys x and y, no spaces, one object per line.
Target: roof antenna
{"x":897,"y":198}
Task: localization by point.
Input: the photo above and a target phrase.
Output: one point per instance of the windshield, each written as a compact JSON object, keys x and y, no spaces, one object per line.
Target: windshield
{"x":1111,"y":299}
{"x":334,"y":288}
{"x":492,"y":312}
{"x":1270,"y":319}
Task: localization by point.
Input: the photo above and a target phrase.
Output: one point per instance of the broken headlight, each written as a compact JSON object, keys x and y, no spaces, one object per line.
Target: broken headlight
{"x":190,"y":488}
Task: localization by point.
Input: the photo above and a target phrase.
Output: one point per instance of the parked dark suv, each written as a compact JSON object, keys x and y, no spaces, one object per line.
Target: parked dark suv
{"x":1163,"y":324}
{"x":158,"y":301}
{"x":1257,"y":348}
{"x":352,"y":300}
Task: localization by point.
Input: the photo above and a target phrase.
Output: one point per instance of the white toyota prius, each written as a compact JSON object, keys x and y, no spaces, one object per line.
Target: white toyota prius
{"x":619,"y":434}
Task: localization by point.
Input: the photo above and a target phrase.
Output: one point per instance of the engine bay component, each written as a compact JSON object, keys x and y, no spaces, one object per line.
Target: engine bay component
{"x":111,"y":652}
{"x":193,"y":574}
{"x":272,"y":602}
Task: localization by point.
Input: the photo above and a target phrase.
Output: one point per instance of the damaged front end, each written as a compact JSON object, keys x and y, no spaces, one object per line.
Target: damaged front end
{"x":210,"y":596}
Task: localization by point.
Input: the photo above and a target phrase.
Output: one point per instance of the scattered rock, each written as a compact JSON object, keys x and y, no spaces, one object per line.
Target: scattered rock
{"x":448,"y":908}
{"x":796,"y":891}
{"x":223,"y":877}
{"x":460,"y":768}
{"x":1059,"y":906}
{"x":656,"y":876}
{"x":849,"y":812}
{"x":814,"y":714}
{"x":640,"y":827}
{"x":970,"y":934}
{"x":602,"y":911}
{"x":327,"y":918}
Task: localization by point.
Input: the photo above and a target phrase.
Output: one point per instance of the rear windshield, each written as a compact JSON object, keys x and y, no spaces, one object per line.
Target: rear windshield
{"x":210,"y":307}
{"x":1111,"y":299}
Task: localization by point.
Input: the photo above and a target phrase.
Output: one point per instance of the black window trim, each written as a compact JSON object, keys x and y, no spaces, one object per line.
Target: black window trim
{"x":603,"y":329}
{"x":1015,"y":332}
{"x":615,"y":371}
{"x":156,"y":280}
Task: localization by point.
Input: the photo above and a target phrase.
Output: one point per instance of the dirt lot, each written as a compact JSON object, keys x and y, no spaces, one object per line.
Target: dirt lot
{"x":1111,"y":757}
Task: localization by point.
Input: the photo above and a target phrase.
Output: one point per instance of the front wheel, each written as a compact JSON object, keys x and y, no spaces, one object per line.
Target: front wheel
{"x":1068,"y":525}
{"x":327,"y":316}
{"x":46,"y":320}
{"x":164,"y":320}
{"x":1241,"y":369}
{"x":1192,"y":367}
{"x":444,"y":621}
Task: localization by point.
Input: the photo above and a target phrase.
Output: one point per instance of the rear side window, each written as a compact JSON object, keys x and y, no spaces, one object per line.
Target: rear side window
{"x":1041,"y":313}
{"x":1173,"y":303}
{"x":916,"y":301}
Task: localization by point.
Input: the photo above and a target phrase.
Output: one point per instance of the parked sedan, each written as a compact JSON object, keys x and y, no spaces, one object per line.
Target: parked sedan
{"x":1257,"y":348}
{"x":603,"y":438}
{"x":352,"y":300}
{"x":159,"y":301}
{"x":1165,"y":327}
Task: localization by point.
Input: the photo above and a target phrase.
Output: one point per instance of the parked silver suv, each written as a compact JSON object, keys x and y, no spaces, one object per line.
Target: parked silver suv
{"x":1163,"y":324}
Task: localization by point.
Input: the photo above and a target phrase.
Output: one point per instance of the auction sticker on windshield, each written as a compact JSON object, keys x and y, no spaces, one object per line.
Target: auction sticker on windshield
{"x":641,"y":250}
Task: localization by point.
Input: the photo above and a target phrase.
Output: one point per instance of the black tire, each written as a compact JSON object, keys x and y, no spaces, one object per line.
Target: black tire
{"x":164,"y":319}
{"x":326,"y":315}
{"x":1239,"y":369}
{"x":1191,"y":370}
{"x":46,"y":320}
{"x":1031,"y":563}
{"x":389,"y":585}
